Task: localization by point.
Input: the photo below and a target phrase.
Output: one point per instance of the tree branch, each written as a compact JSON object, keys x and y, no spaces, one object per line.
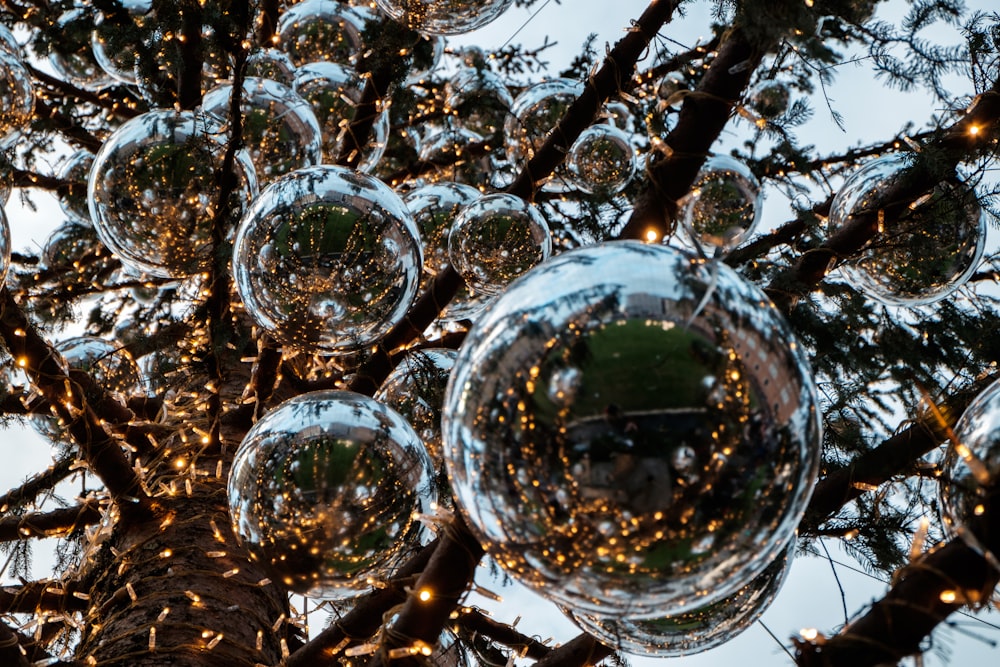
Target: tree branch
{"x":46,"y":524}
{"x":40,"y":483}
{"x":38,"y":596}
{"x":10,"y":648}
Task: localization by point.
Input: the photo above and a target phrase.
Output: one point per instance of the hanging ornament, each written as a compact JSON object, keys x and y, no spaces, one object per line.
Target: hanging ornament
{"x":535,"y":113}
{"x":924,"y":255}
{"x":8,"y":42}
{"x":116,"y":57}
{"x":497,"y":238}
{"x":425,"y":55}
{"x":280,"y":129}
{"x":601,"y":160}
{"x":327,"y":259}
{"x":769,"y":99}
{"x":324,"y":490}
{"x":444,"y":17}
{"x":968,"y":487}
{"x":17,"y":99}
{"x":69,"y":243}
{"x":75,"y":172}
{"x":479,"y":100}
{"x":75,"y":61}
{"x":334,"y":92}
{"x":569,"y":398}
{"x":693,"y":631}
{"x":270,"y":64}
{"x":415,"y":389}
{"x":434,"y":208}
{"x":321,"y":31}
{"x":669,"y":86}
{"x":724,"y":204}
{"x":159,"y":66}
{"x":153,"y":192}
{"x":457,"y":155}
{"x":4,"y":246}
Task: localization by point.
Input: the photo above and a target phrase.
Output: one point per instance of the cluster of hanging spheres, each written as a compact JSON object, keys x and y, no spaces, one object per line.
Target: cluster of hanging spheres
{"x":630,"y":431}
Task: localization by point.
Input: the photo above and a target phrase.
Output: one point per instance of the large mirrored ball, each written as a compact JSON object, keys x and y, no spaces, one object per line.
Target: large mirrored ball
{"x":327,"y":260}
{"x":536,"y":112}
{"x":324,"y":491}
{"x":969,"y":487}
{"x":570,"y":399}
{"x":434,"y":208}
{"x":444,"y":17}
{"x":17,"y":98}
{"x":693,"y":631}
{"x":321,"y":31}
{"x":601,"y":160}
{"x":724,"y":204}
{"x":335,"y":94}
{"x":154,"y":191}
{"x":497,"y":238}
{"x":280,"y":130}
{"x":924,"y":253}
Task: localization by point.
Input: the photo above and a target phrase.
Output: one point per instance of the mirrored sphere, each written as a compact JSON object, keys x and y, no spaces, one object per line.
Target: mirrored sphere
{"x":4,"y":246}
{"x":69,"y":243}
{"x":601,"y":160}
{"x":693,"y":631}
{"x":76,"y":62}
{"x":497,"y":238}
{"x":327,"y":259}
{"x":17,"y":98}
{"x":924,"y":255}
{"x":280,"y":130}
{"x":320,"y":30}
{"x":968,"y":488}
{"x":75,"y":172}
{"x":458,"y":155}
{"x":271,"y":64}
{"x":115,"y":57}
{"x":769,"y":99}
{"x":415,"y":389}
{"x":434,"y":208}
{"x":724,"y":204}
{"x":323,"y":491}
{"x":479,"y":100}
{"x":569,"y":399}
{"x":153,"y":192}
{"x":335,"y":92}
{"x":536,"y":112}
{"x":444,"y":17}
{"x":8,"y":42}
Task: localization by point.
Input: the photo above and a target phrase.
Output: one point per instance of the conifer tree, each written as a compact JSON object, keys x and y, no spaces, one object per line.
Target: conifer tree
{"x":884,"y":286}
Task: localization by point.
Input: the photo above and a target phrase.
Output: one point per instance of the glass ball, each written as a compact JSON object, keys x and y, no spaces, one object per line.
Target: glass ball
{"x":4,"y":246}
{"x":769,"y":99}
{"x":75,"y":62}
{"x":8,"y":42}
{"x":444,"y":17}
{"x":434,"y":208}
{"x":159,"y":67}
{"x":75,"y":171}
{"x":271,"y":64}
{"x":535,"y":113}
{"x":693,"y":631}
{"x":324,"y":489}
{"x":327,"y":259}
{"x":67,"y":244}
{"x":280,"y":129}
{"x":601,"y":160}
{"x":568,"y":399}
{"x":724,"y":204}
{"x":497,"y":238}
{"x":111,"y":54}
{"x":153,"y":192}
{"x":415,"y":389}
{"x":320,"y":30}
{"x":923,"y":256}
{"x":968,"y":487}
{"x":479,"y":100}
{"x":17,"y":98}
{"x":457,"y":157}
{"x":334,"y":93}
{"x":671,"y":84}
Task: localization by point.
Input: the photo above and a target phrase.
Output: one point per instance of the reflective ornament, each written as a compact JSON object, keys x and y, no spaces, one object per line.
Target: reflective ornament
{"x":479,"y":100}
{"x":724,"y":204}
{"x":415,"y":389}
{"x":108,"y":40}
{"x":434,"y":208}
{"x":444,"y":17}
{"x":153,"y":192}
{"x":74,"y":61}
{"x":457,"y":155}
{"x":271,"y":64}
{"x":75,"y":172}
{"x":335,"y":92}
{"x":426,"y":56}
{"x":69,"y":243}
{"x":496,"y":239}
{"x":160,"y":65}
{"x":466,"y":306}
{"x":4,"y":246}
{"x":321,"y":30}
{"x":769,"y":99}
{"x":536,"y":112}
{"x":601,"y":160}
{"x":968,"y":487}
{"x":8,"y":42}
{"x":327,"y":259}
{"x":568,"y":479}
{"x":17,"y":98}
{"x":670,"y":85}
{"x":324,"y":489}
{"x":280,"y":129}
{"x":693,"y":631}
{"x":922,"y":256}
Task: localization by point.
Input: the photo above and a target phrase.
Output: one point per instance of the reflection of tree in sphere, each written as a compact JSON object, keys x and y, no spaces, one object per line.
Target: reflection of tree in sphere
{"x":535,"y":113}
{"x":724,"y":205}
{"x":321,"y":31}
{"x":601,"y":160}
{"x":444,"y":17}
{"x":17,"y":98}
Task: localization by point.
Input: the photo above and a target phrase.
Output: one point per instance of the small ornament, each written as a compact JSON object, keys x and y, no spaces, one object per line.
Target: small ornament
{"x":968,"y":487}
{"x":334,"y":93}
{"x":457,"y":155}
{"x":327,"y":259}
{"x":75,"y":60}
{"x":271,"y":64}
{"x":415,"y":389}
{"x":694,"y":631}
{"x":924,"y":255}
{"x":444,"y":17}
{"x":536,"y":112}
{"x":324,"y":490}
{"x":4,"y":246}
{"x":280,"y":129}
{"x":724,"y":204}
{"x":479,"y":100}
{"x":497,"y":238}
{"x":568,"y":479}
{"x":153,"y":192}
{"x":115,"y":57}
{"x":75,"y":172}
{"x":17,"y":98}
{"x":670,"y":85}
{"x":321,"y":31}
{"x":601,"y":160}
{"x":769,"y":99}
{"x":434,"y":208}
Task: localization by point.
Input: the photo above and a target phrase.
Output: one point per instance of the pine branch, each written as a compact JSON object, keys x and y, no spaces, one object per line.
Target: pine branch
{"x":474,"y":621}
{"x":10,"y":649}
{"x":36,"y":596}
{"x":123,"y":107}
{"x":46,"y":524}
{"x":66,"y":126}
{"x":581,"y":651}
{"x":40,"y":483}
